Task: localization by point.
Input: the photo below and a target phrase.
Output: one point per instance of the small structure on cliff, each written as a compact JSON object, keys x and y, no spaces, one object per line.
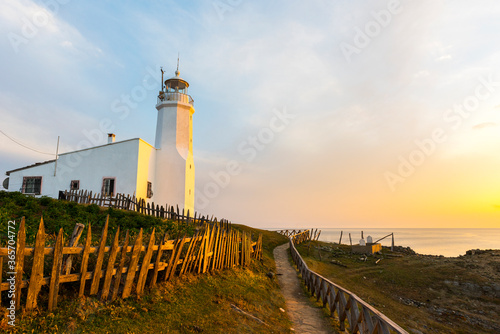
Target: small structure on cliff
{"x":369,"y":247}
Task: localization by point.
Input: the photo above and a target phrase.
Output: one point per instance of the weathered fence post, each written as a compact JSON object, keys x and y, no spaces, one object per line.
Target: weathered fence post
{"x":56,"y":271}
{"x":21,"y":240}
{"x":85,"y":261}
{"x":94,"y":287}
{"x":145,"y":264}
{"x":132,"y":268}
{"x":36,"y":269}
{"x":119,"y":270}
{"x":75,"y":236}
{"x":109,"y":268}
{"x":157,"y":261}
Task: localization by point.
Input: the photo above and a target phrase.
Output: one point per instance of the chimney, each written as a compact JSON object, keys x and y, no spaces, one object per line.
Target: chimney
{"x":111,"y":138}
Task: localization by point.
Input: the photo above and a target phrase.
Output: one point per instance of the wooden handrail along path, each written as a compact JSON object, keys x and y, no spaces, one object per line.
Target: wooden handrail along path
{"x":128,"y":267}
{"x":361,"y":317}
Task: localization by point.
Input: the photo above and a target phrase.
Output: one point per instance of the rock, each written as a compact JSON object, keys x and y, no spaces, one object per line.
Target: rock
{"x":475,"y":252}
{"x":411,"y":302}
{"x":415,"y":331}
{"x":197,"y":328}
{"x":270,"y":275}
{"x":338,"y":263}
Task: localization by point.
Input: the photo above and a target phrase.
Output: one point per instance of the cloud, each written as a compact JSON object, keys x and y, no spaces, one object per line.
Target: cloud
{"x":28,"y":23}
{"x":421,"y":74}
{"x":444,"y":57}
{"x":484,"y":125}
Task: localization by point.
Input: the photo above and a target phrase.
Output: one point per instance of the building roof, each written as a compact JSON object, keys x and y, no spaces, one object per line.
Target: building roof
{"x":30,"y":166}
{"x":85,"y":149}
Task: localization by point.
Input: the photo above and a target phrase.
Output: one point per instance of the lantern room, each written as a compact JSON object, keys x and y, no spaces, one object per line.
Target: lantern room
{"x":175,"y":89}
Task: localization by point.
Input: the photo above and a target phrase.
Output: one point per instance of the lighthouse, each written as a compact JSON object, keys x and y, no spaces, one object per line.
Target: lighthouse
{"x":174,"y":176}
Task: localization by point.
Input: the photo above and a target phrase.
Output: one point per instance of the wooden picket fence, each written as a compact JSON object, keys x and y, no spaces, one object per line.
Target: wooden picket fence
{"x":129,"y":266}
{"x":361,"y":317}
{"x":131,"y":203}
{"x":312,"y":235}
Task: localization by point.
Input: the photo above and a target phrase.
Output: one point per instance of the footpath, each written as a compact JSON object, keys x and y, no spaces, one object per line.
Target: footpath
{"x":305,"y":318}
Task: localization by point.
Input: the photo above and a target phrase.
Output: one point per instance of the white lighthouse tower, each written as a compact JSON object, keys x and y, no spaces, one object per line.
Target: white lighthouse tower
{"x":174,"y":145}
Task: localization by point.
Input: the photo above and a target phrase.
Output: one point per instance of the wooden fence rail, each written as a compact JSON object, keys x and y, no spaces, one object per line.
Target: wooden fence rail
{"x":361,"y":317}
{"x":311,"y":234}
{"x":131,"y":203}
{"x":126,"y":268}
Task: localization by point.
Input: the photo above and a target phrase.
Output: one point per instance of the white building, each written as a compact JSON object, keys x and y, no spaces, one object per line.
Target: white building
{"x":163,"y":173}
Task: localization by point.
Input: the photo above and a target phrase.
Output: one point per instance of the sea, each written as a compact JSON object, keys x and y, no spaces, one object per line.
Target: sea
{"x":429,"y":241}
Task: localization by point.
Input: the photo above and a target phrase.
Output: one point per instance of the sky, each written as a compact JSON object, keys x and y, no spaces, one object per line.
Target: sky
{"x":308,"y":114}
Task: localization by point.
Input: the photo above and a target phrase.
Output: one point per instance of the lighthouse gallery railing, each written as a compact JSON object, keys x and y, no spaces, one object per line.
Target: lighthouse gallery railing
{"x":174,"y":96}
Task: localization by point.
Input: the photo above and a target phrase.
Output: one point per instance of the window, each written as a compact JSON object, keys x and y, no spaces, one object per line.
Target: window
{"x":74,"y":185}
{"x":149,"y":192}
{"x":108,"y":186}
{"x":32,"y":185}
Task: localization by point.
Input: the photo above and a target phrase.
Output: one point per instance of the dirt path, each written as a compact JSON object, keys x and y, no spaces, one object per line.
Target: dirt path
{"x":306,"y":318}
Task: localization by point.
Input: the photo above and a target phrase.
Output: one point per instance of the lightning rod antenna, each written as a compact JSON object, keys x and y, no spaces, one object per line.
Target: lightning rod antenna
{"x":161,"y":69}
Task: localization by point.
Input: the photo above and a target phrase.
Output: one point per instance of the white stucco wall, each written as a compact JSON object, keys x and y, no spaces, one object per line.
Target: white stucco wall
{"x":190,"y":172}
{"x":116,"y":160}
{"x":173,"y":155}
{"x":145,"y":168}
{"x":46,"y":171}
{"x":189,"y":185}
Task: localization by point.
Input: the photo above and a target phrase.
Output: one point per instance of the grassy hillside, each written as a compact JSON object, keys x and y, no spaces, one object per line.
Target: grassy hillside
{"x":210,"y":303}
{"x":425,"y":294}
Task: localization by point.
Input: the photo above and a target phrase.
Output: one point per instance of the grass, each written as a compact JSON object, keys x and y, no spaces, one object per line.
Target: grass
{"x":190,"y":304}
{"x":429,"y":294}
